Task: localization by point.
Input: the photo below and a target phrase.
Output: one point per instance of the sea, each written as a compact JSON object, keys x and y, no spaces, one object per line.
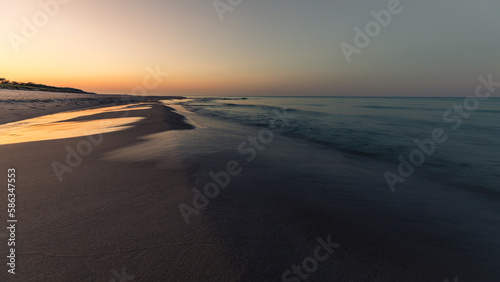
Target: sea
{"x":414,"y":182}
{"x":381,"y":129}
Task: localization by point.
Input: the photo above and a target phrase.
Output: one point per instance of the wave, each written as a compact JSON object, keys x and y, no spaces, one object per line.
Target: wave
{"x":391,"y":108}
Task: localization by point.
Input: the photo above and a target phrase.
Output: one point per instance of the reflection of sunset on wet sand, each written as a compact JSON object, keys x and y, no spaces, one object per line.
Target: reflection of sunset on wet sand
{"x":56,"y":126}
{"x":51,"y":131}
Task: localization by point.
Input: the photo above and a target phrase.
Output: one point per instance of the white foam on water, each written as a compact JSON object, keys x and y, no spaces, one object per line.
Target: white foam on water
{"x":193,"y":119}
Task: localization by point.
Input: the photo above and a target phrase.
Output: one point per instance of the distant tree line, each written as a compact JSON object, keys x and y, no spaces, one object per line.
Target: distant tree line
{"x":14,"y":85}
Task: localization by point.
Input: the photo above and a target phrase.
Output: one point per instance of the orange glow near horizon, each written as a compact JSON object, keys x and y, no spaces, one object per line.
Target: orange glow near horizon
{"x":105,"y":47}
{"x":258,"y":49}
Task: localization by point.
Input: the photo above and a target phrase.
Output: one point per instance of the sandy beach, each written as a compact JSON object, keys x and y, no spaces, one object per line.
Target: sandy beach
{"x":108,"y":217}
{"x":19,"y":104}
{"x":101,"y":218}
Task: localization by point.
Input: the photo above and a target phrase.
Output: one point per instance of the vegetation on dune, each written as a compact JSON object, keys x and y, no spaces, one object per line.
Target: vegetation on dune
{"x":14,"y":85}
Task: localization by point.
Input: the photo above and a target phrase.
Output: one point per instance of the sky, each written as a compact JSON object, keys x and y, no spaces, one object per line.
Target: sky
{"x":252,"y":47}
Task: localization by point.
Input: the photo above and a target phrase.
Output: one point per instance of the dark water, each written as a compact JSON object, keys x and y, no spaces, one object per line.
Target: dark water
{"x":323,"y":160}
{"x":383,"y":129}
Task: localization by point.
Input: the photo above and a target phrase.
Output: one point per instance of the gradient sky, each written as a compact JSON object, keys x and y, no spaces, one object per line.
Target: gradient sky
{"x":432,"y":48}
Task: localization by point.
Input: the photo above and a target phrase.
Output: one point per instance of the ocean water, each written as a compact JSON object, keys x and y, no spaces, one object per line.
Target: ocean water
{"x":323,"y":160}
{"x":382,"y":129}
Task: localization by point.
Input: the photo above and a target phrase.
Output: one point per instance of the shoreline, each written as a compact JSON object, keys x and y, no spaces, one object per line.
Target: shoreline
{"x":111,"y":214}
{"x":16,"y":105}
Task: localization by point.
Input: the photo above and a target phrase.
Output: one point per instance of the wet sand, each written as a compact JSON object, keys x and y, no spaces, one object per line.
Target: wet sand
{"x":17,"y":105}
{"x":103,"y":215}
{"x":109,"y":218}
